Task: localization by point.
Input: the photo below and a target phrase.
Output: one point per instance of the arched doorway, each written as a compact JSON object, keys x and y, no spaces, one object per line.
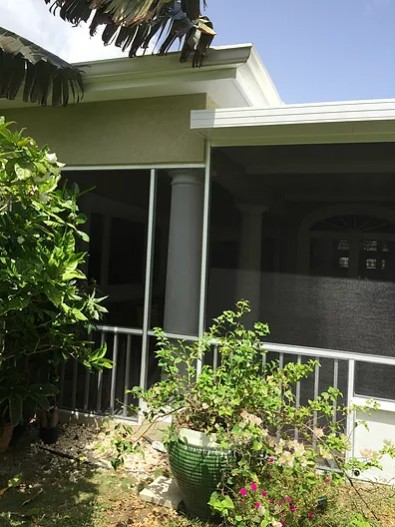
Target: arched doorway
{"x":347,"y":255}
{"x":352,"y":241}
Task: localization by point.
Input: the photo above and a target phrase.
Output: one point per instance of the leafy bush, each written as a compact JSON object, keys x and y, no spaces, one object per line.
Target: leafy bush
{"x":46,"y":308}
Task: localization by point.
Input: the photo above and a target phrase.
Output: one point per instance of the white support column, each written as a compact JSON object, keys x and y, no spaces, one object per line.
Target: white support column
{"x":184,"y":252}
{"x":249,"y":274}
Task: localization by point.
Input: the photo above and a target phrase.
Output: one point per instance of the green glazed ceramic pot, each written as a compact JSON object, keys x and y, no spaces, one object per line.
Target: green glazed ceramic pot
{"x":197,"y":469}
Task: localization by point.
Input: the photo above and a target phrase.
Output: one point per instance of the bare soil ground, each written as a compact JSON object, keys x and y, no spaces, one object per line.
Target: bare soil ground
{"x":72,"y":484}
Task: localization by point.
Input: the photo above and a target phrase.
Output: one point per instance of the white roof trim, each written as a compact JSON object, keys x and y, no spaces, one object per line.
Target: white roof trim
{"x":294,"y":114}
{"x":350,"y":121}
{"x":232,"y":76}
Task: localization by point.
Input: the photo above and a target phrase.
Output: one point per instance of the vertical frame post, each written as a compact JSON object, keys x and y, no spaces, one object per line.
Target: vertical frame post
{"x":205,"y":241}
{"x":148,"y":278}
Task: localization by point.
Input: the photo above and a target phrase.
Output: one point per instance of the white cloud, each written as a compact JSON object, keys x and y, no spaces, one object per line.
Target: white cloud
{"x":32,"y":20}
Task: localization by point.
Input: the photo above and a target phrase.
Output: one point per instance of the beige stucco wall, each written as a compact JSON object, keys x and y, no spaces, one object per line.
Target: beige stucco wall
{"x":140,"y":131}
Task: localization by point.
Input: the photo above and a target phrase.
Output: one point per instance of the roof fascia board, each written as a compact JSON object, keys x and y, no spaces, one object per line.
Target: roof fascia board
{"x":151,"y":69}
{"x":304,"y":134}
{"x":355,"y":121}
{"x":126,"y":78}
{"x":256,"y":83}
{"x":294,"y":114}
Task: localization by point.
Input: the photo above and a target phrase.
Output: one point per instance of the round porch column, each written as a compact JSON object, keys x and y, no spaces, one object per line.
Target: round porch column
{"x":184,"y":252}
{"x":249,"y":274}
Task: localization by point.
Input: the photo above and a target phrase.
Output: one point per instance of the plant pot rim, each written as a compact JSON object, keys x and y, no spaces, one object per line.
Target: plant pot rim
{"x":198,"y":439}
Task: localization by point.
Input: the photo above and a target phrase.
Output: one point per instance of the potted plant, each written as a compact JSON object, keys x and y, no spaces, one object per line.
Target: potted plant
{"x":209,"y":437}
{"x":231,"y":444}
{"x":18,"y":400}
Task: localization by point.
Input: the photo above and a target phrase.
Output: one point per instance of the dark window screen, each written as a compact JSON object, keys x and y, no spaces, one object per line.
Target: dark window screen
{"x":95,"y":246}
{"x":127,"y":240}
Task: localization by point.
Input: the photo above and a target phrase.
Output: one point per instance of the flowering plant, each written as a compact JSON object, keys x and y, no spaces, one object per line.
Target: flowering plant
{"x":287,"y":497}
{"x":255,"y":504}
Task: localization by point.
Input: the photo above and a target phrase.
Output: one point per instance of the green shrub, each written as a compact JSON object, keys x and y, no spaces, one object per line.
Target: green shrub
{"x":46,"y":308}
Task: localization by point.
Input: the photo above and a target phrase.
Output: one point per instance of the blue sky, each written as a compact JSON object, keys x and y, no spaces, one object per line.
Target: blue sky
{"x":314,"y":50}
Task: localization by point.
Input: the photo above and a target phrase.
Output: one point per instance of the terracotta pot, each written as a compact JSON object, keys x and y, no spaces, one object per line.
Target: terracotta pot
{"x":5,"y":436}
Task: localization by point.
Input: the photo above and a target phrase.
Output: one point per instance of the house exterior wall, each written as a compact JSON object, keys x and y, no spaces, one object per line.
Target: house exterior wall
{"x":125,"y":132}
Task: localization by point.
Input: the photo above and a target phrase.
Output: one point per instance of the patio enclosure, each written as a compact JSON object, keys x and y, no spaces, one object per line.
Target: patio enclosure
{"x":306,"y":233}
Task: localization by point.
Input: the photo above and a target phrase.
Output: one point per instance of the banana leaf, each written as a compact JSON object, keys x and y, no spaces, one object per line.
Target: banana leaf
{"x":133,"y":24}
{"x":26,"y":67}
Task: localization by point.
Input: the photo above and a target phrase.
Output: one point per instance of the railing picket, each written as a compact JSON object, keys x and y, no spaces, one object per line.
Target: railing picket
{"x":100,"y":378}
{"x":215,"y":358}
{"x":316,"y":392}
{"x":74,"y":385}
{"x":114,"y":372}
{"x":297,"y":397}
{"x":86,"y":389}
{"x":281,"y":360}
{"x":335,"y":385}
{"x":127,"y":375}
{"x":350,"y":396}
{"x":264,"y":358}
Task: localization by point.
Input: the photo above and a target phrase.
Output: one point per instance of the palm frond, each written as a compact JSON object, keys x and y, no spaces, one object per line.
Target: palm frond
{"x":135,"y":24}
{"x":39,"y":72}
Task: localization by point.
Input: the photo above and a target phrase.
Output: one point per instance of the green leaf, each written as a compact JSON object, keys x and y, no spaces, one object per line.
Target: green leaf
{"x":42,"y":401}
{"x":229,"y":503}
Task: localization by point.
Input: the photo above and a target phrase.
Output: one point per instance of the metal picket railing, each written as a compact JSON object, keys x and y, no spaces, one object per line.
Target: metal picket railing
{"x":104,"y":393}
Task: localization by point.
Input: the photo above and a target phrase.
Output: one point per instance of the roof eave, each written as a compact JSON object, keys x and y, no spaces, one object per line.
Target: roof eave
{"x":232,"y":76}
{"x":349,"y":121}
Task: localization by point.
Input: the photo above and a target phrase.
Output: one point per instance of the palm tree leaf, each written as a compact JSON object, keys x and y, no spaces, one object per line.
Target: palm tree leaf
{"x":147,"y":17}
{"x":23,"y":63}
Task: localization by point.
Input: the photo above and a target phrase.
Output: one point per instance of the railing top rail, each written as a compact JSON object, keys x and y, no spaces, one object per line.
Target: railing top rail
{"x":290,"y":349}
{"x":177,"y":336}
{"x":137,"y":331}
{"x":120,"y":330}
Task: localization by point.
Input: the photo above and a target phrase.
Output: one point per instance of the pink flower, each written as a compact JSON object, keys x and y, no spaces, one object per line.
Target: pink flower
{"x":271,"y":500}
{"x":282,"y":522}
{"x":327,"y":479}
{"x":280,"y":502}
{"x":243,"y":491}
{"x":271,"y":460}
{"x":253,"y":486}
{"x":288,"y":499}
{"x":264,"y":493}
{"x":292,"y":508}
{"x":310,"y":516}
{"x":257,"y":505}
